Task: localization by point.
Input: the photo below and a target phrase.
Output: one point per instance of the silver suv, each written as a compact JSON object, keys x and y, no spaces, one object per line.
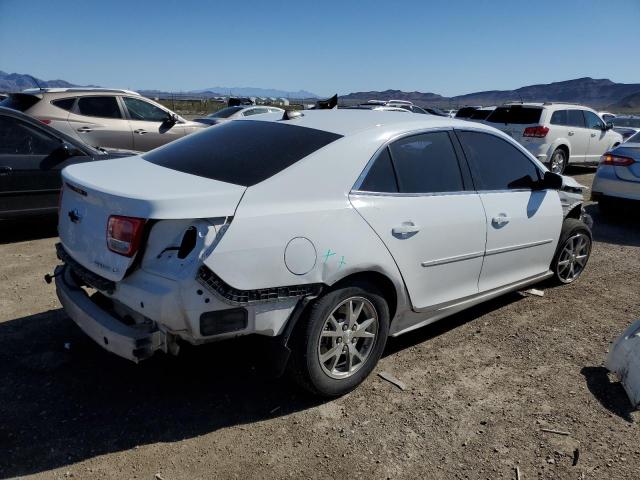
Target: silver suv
{"x":103,"y":117}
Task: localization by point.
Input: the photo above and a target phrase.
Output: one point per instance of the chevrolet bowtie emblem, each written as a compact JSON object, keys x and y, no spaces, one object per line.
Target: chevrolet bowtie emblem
{"x":74,"y":216}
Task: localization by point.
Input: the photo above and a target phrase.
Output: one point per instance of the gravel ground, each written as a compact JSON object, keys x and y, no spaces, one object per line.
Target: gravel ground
{"x":480,"y":387}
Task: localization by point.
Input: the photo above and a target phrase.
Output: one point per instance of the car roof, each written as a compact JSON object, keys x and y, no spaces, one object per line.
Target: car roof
{"x":79,"y":90}
{"x":347,"y":122}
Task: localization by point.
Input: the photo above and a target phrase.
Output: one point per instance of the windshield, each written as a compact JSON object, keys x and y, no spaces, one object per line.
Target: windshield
{"x":225,"y":112}
{"x":243,"y":152}
{"x":19,"y":101}
{"x":515,"y":114}
{"x":635,"y":138}
{"x":626,"y":122}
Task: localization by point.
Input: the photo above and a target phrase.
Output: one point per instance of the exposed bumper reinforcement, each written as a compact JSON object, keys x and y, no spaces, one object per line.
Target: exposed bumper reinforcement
{"x":105,"y":329}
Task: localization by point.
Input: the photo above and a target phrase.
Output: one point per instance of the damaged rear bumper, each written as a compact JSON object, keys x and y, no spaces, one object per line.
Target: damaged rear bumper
{"x":108,"y":331}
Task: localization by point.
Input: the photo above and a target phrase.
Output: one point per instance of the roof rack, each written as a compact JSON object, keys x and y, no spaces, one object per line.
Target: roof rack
{"x":80,"y":89}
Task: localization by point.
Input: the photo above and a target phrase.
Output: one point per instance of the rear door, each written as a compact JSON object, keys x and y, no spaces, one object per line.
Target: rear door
{"x":578,"y":135}
{"x":149,"y":124}
{"x":30,"y":163}
{"x":523,"y":224}
{"x":421,"y":204}
{"x":99,"y":121}
{"x":599,"y":141}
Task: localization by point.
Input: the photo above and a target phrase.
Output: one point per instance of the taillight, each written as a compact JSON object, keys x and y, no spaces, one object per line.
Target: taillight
{"x":124,"y":234}
{"x":616,"y":160}
{"x":46,"y":121}
{"x":538,"y":131}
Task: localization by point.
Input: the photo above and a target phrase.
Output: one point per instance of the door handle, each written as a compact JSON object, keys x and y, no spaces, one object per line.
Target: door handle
{"x":5,"y":171}
{"x":85,"y":129}
{"x":405,"y":228}
{"x":593,"y":134}
{"x":500,"y":220}
{"x":571,"y":133}
{"x":140,"y":131}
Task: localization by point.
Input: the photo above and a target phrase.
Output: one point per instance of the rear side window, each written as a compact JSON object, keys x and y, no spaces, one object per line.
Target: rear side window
{"x":426,"y":163}
{"x":19,"y":101}
{"x":244,"y":152}
{"x":64,"y":103}
{"x":559,"y":117}
{"x":381,"y":177}
{"x":516,"y":114}
{"x":20,"y":138}
{"x":496,"y":164}
{"x":104,"y":107}
{"x":575,"y":118}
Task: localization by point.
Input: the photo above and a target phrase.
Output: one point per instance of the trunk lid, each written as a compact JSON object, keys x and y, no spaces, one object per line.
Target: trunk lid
{"x":131,"y":187}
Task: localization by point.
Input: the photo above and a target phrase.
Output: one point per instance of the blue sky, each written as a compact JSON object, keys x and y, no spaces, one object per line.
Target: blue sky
{"x":447,"y":47}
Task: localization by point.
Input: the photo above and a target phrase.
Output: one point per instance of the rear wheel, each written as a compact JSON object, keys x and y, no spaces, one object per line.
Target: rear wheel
{"x":574,"y":249}
{"x":340,"y":340}
{"x":558,"y":162}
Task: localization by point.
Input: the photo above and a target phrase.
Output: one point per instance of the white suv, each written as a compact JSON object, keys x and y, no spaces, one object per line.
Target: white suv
{"x":557,"y":133}
{"x":328,"y":231}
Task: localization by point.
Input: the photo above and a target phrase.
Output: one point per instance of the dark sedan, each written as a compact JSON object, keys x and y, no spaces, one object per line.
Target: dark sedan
{"x":31,"y":157}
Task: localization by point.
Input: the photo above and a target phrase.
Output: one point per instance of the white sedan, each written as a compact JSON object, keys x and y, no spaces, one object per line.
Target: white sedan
{"x":329,"y":230}
{"x":237,"y":112}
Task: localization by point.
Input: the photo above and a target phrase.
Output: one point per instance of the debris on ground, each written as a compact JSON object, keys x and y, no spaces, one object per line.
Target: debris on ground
{"x":518,"y":477}
{"x":391,"y":379}
{"x":576,"y":456}
{"x":557,"y":432}
{"x":624,"y":361}
{"x":533,"y":291}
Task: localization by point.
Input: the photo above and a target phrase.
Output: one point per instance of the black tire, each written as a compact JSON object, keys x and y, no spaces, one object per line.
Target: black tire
{"x":305,"y":366}
{"x":570,"y":228}
{"x":562,"y":159}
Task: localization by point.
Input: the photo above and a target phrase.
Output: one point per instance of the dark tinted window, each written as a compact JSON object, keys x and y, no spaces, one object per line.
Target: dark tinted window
{"x":465,"y":112}
{"x":515,"y":114}
{"x":635,"y":138}
{"x":19,"y":101}
{"x":380,"y":177}
{"x":559,"y":117}
{"x":627,"y":122}
{"x":496,"y":164}
{"x":426,"y":163}
{"x":245,"y":152}
{"x":105,"y":107}
{"x":64,"y":103}
{"x":20,"y":138}
{"x":593,"y":121}
{"x":480,"y":114}
{"x":141,"y":110}
{"x":575,"y":118}
{"x":225,"y":112}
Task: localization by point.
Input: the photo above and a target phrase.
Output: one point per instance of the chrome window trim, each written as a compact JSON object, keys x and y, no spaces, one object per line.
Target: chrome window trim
{"x":398,"y":194}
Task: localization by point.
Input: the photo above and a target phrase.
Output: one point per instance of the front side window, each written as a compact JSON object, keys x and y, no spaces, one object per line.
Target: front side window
{"x":141,"y":110}
{"x":575,"y":118}
{"x":20,"y":138}
{"x":559,"y":117}
{"x":426,"y":163}
{"x":496,"y":164}
{"x":243,"y":153}
{"x":103,"y":107}
{"x":594,"y":122}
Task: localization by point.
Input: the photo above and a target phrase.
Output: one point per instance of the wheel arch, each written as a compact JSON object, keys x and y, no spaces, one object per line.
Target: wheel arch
{"x":380,"y":280}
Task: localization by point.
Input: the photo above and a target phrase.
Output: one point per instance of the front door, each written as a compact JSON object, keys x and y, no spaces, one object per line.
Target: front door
{"x":578,"y":136}
{"x":599,"y":141}
{"x":523,"y":222}
{"x":415,"y":198}
{"x":149,"y":125}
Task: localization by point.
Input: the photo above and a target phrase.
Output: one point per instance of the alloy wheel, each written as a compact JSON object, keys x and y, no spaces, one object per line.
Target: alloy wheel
{"x":573,"y":257}
{"x":347,"y":337}
{"x":558,"y":161}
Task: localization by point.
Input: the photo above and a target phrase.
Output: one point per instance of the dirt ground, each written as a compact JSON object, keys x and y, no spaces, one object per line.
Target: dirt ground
{"x":480,"y":387}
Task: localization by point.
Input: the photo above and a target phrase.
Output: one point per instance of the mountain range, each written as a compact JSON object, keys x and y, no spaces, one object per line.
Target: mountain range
{"x":594,"y":92}
{"x":598,"y":93}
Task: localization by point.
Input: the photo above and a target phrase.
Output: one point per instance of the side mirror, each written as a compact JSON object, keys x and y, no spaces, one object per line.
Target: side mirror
{"x":67,"y":150}
{"x":608,"y":126}
{"x":552,"y":181}
{"x":170,"y":119}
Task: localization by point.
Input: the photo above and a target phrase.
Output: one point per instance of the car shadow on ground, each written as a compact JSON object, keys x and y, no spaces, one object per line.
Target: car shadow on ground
{"x":63,"y":399}
{"x":611,"y":395}
{"x":619,"y":229}
{"x":28,"y":228}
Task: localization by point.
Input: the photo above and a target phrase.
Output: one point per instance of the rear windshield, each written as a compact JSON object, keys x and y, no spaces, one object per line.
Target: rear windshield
{"x":465,"y":112}
{"x":634,"y":138}
{"x":515,"y":114}
{"x":480,"y":114}
{"x":19,"y":101}
{"x":243,"y":152}
{"x":225,"y":112}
